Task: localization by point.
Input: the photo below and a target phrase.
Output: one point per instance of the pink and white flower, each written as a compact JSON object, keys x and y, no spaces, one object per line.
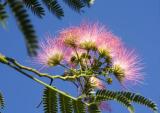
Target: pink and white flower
{"x":95,"y":82}
{"x":70,"y":36}
{"x":125,"y":63}
{"x":52,"y":52}
{"x":128,"y":66}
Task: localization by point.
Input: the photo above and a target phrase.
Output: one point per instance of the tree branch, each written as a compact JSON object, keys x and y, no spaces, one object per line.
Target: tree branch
{"x":19,"y":66}
{"x":40,"y":82}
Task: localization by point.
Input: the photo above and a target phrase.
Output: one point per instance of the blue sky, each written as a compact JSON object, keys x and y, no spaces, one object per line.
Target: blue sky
{"x":136,"y":22}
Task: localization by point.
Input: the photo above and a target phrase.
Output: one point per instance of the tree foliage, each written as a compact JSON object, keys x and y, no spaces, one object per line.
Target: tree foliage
{"x":68,"y":105}
{"x":25,"y":25}
{"x":50,"y":101}
{"x":76,"y":5}
{"x":3,"y":14}
{"x":37,"y":8}
{"x":54,"y":7}
{"x":125,"y":98}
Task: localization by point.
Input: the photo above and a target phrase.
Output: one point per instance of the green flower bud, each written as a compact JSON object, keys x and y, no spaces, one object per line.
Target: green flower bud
{"x":109,"y":80}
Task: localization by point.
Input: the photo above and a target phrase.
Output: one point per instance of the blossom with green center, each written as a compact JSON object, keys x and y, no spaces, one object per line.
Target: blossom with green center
{"x":91,"y":46}
{"x":126,"y":66}
{"x":95,"y":82}
{"x":52,"y":52}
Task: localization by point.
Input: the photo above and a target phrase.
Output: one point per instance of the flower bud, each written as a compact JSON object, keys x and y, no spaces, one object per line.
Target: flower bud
{"x":109,"y":80}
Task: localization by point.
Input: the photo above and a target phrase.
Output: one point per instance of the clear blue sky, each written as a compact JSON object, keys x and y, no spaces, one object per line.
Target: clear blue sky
{"x":135,"y":21}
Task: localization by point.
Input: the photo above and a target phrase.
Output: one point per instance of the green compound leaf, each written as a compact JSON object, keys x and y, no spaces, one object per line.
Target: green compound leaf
{"x":65,"y":104}
{"x":35,"y":7}
{"x":25,"y":25}
{"x":139,"y":99}
{"x":50,"y":101}
{"x":54,"y":7}
{"x":3,"y":14}
{"x":54,"y":102}
{"x":76,"y":5}
{"x":79,"y":107}
{"x":102,"y":95}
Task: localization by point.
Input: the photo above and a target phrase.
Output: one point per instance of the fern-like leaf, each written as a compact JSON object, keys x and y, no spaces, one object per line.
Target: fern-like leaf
{"x":50,"y":101}
{"x":65,"y":104}
{"x":78,"y":106}
{"x":1,"y":101}
{"x":102,"y":95}
{"x":76,"y":5}
{"x":3,"y":14}
{"x":139,"y":99}
{"x":54,"y":7}
{"x":35,"y":7}
{"x":25,"y":25}
{"x":54,"y":101}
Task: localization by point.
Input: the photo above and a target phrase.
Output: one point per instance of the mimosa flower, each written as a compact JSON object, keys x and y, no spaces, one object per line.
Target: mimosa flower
{"x":95,"y":82}
{"x":86,"y":36}
{"x":70,"y":36}
{"x":89,"y":35}
{"x":127,"y":67}
{"x":73,"y":42}
{"x":108,"y":44}
{"x":52,"y":52}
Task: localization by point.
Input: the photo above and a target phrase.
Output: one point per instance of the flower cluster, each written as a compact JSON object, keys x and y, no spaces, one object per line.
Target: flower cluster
{"x":92,"y":50}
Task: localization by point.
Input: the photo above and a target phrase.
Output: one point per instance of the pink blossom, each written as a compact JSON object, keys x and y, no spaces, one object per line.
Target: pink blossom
{"x":86,"y":33}
{"x":70,"y":35}
{"x":90,"y":33}
{"x":129,"y":63}
{"x":97,"y":83}
{"x":52,"y":52}
{"x":110,"y":43}
{"x":89,"y":36}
